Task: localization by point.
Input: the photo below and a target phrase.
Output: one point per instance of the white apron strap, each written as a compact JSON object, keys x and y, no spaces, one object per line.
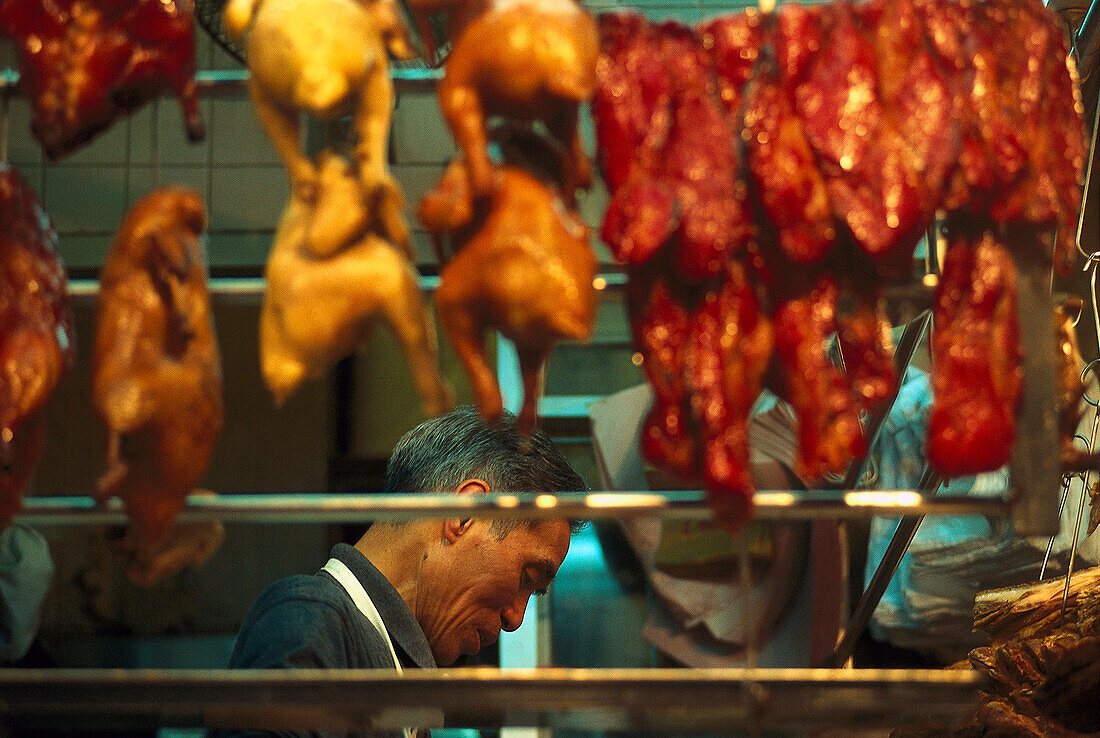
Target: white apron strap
{"x":351,"y":584}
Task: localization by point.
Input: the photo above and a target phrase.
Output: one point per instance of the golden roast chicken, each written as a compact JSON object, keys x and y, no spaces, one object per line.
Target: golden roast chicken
{"x":327,"y":59}
{"x":523,"y":267}
{"x":156,"y":374}
{"x":330,"y":276}
{"x":525,"y":61}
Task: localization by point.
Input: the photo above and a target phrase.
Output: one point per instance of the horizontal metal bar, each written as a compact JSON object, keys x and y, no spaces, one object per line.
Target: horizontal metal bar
{"x":229,"y":83}
{"x":222,"y":289}
{"x":349,"y":508}
{"x":250,"y":289}
{"x":593,"y":699}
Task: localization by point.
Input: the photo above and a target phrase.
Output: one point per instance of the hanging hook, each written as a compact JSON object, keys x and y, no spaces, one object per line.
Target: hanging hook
{"x":1061,"y":505}
{"x":1093,"y":260}
{"x":1089,"y":367}
{"x":1084,"y":203}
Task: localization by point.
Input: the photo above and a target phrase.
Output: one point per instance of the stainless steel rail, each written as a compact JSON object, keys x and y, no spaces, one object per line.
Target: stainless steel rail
{"x":249,"y":289}
{"x":215,"y":83}
{"x":593,"y":699}
{"x":350,"y":508}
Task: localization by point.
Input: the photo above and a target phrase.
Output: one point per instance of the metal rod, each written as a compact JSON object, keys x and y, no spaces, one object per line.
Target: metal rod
{"x":884,"y":572}
{"x":907,"y":346}
{"x":1034,"y":466}
{"x":1088,"y":192}
{"x":1080,"y":512}
{"x":1066,"y":481}
{"x":232,"y":289}
{"x":593,"y":699}
{"x":348,"y":508}
{"x":244,"y":289}
{"x":744,"y":573}
{"x":217,"y":83}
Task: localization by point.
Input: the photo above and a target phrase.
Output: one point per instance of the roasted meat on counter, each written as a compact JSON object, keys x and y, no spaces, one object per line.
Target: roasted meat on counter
{"x":156,"y":373}
{"x":522,"y":266}
{"x":36,"y":333}
{"x":330,"y":276}
{"x":85,"y":63}
{"x":1041,"y":669}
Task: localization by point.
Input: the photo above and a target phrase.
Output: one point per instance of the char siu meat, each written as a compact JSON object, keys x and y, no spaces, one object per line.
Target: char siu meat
{"x":660,"y":326}
{"x":85,"y":63}
{"x":682,"y":178}
{"x":829,"y":434}
{"x":36,"y":333}
{"x":726,"y":359}
{"x":844,"y":129}
{"x":976,"y":376}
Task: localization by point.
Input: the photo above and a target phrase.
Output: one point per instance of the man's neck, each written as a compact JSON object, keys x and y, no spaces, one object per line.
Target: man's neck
{"x":397,"y":553}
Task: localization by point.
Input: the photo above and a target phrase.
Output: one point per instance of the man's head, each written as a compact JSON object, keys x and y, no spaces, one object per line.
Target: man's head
{"x":476,"y":575}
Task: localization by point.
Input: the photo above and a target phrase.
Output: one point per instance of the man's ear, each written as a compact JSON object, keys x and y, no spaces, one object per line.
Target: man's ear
{"x":473,"y":486}
{"x":455,"y":527}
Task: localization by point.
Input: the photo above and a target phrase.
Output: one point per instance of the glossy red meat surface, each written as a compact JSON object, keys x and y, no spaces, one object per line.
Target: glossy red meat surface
{"x":85,"y":63}
{"x":36,"y":332}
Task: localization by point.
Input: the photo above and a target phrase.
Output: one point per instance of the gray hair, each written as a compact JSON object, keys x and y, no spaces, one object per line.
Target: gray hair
{"x":442,"y":452}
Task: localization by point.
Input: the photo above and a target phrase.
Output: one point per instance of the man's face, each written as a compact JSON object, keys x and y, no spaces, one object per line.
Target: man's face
{"x":475,"y":585}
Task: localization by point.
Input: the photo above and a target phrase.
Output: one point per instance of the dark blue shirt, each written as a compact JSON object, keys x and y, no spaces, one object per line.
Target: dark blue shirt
{"x":310,"y":622}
